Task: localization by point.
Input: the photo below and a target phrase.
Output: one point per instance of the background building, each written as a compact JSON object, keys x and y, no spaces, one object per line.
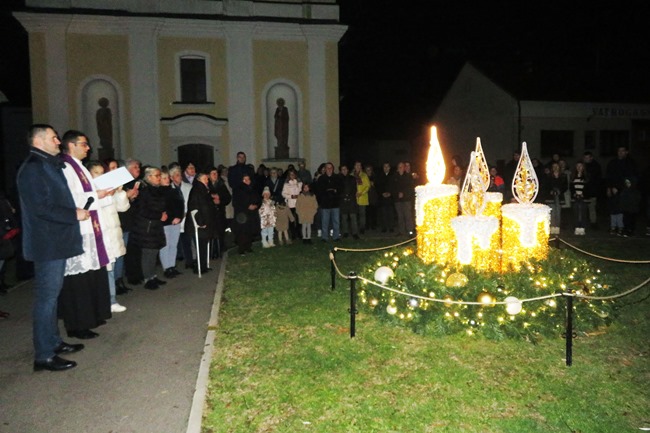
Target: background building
{"x":552,"y":113}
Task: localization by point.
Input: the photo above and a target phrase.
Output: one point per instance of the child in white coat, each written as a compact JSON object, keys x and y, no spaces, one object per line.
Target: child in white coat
{"x":267,"y":218}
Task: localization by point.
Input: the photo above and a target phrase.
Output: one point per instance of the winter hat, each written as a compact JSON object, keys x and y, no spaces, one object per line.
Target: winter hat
{"x":266,"y":191}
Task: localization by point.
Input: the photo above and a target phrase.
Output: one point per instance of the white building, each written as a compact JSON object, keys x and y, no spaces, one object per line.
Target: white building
{"x":551,"y":116}
{"x":188,"y":80}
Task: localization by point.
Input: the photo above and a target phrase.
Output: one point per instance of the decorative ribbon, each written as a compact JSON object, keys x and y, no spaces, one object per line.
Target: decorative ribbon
{"x":94,"y":217}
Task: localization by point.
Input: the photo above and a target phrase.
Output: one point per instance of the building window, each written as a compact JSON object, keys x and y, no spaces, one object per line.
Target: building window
{"x":610,"y":141}
{"x":590,"y":140}
{"x":193,"y":83}
{"x":560,"y":142}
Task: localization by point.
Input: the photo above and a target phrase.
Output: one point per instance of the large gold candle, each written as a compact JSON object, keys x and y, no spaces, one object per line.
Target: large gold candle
{"x":524,"y":234}
{"x":525,"y":225}
{"x":435,"y":206}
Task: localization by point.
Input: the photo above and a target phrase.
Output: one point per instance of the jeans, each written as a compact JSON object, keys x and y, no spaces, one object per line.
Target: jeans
{"x":267,"y":235}
{"x":48,"y":281}
{"x":405,"y":219}
{"x":119,"y":262}
{"x":330,"y":216}
{"x":111,"y":285}
{"x":168,"y":252}
{"x":349,"y":223}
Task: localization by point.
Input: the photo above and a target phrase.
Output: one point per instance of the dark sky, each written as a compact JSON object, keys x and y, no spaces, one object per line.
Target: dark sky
{"x":399,"y":57}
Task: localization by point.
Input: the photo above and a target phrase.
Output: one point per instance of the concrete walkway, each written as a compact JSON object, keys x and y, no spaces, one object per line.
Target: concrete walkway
{"x":146,"y":372}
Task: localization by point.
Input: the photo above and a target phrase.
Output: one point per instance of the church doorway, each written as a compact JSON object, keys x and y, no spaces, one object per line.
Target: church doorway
{"x":201,"y":155}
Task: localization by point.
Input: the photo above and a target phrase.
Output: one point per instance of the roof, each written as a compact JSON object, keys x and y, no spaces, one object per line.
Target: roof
{"x":550,"y":83}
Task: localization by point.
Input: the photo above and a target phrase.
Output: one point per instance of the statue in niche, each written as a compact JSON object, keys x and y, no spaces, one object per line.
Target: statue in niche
{"x":281,"y":130}
{"x":104,"y":119}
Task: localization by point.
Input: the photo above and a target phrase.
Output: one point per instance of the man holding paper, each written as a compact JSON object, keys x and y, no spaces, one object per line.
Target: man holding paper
{"x":84,"y":302}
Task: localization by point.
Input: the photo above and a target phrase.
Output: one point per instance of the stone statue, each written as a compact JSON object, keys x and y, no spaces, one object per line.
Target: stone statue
{"x":104,"y":119}
{"x":281,"y":130}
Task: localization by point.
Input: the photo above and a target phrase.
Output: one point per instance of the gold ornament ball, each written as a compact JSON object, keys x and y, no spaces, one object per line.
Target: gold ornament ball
{"x":456,"y":280}
{"x":485,"y":298}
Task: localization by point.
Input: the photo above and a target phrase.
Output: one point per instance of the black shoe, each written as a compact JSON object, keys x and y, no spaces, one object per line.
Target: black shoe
{"x":159,"y":281}
{"x":54,"y":364}
{"x":68,"y":348}
{"x":176,"y":272}
{"x":84,"y":334}
{"x":356,"y":237}
{"x":169,"y":273}
{"x":121,"y":288}
{"x":151,"y":285}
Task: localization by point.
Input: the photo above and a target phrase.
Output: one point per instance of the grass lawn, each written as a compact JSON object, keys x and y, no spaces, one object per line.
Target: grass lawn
{"x":285,"y":362}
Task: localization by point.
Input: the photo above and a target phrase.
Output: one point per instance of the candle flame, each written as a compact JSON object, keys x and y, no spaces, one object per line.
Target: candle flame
{"x":436,"y":168}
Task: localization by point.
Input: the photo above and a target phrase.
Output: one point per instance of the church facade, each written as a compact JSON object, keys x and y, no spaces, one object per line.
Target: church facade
{"x":193,"y":80}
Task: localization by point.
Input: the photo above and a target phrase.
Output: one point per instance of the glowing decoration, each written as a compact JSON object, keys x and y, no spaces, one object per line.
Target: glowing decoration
{"x":435,"y":206}
{"x":476,"y":235}
{"x":525,"y":184}
{"x":484,"y":169}
{"x":472,"y":194}
{"x":456,"y":280}
{"x":525,"y":230}
{"x":383,"y":274}
{"x":485,"y":298}
{"x":513,"y":305}
{"x":525,"y":225}
{"x":391,"y":309}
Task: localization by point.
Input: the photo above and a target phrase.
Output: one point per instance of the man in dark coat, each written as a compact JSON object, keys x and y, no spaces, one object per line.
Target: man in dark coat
{"x":328,"y":191}
{"x":403,"y":192}
{"x":245,"y":201}
{"x":348,"y":204}
{"x":383,"y":183}
{"x":50,"y":222}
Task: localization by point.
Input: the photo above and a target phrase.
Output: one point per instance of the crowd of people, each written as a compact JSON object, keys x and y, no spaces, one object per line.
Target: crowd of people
{"x":577,"y":194}
{"x":89,"y":245}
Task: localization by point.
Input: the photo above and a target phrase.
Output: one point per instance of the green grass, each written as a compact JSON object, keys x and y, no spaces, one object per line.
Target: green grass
{"x":285,"y":362}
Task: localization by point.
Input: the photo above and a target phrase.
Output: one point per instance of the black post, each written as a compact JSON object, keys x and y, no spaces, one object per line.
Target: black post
{"x":569,"y":330}
{"x":353,"y":303}
{"x":332,"y":268}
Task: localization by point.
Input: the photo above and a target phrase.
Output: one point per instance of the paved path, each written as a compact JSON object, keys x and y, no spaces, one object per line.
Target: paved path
{"x":139,"y":376}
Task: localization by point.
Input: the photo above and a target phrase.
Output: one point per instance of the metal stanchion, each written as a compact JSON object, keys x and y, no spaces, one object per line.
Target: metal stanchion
{"x":332,"y":268}
{"x":353,"y":303}
{"x":569,"y":330}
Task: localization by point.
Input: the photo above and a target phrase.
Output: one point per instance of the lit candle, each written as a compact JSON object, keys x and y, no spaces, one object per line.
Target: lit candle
{"x":477,"y":235}
{"x":525,"y":224}
{"x":436,"y":204}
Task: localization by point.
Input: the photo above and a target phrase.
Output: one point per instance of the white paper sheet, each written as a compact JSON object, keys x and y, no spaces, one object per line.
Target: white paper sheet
{"x":113,"y":179}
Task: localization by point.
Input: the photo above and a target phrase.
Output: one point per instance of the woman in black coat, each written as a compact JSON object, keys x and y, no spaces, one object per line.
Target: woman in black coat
{"x":246,"y":201}
{"x":201,"y":200}
{"x":221,"y":198}
{"x":148,"y":232}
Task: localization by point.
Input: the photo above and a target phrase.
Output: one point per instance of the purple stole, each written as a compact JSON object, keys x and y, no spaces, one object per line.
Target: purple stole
{"x":97,"y":229}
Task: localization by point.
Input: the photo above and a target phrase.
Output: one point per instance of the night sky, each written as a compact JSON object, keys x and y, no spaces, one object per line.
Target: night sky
{"x":399,"y":57}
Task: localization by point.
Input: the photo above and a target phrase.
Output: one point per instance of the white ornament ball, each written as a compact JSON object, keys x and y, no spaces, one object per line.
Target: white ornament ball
{"x":383,"y":274}
{"x":513,"y":305}
{"x":391,"y":309}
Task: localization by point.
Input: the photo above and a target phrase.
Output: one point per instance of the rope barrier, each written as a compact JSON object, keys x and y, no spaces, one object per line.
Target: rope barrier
{"x":449,"y":301}
{"x":642,"y":262}
{"x":358,"y":250}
